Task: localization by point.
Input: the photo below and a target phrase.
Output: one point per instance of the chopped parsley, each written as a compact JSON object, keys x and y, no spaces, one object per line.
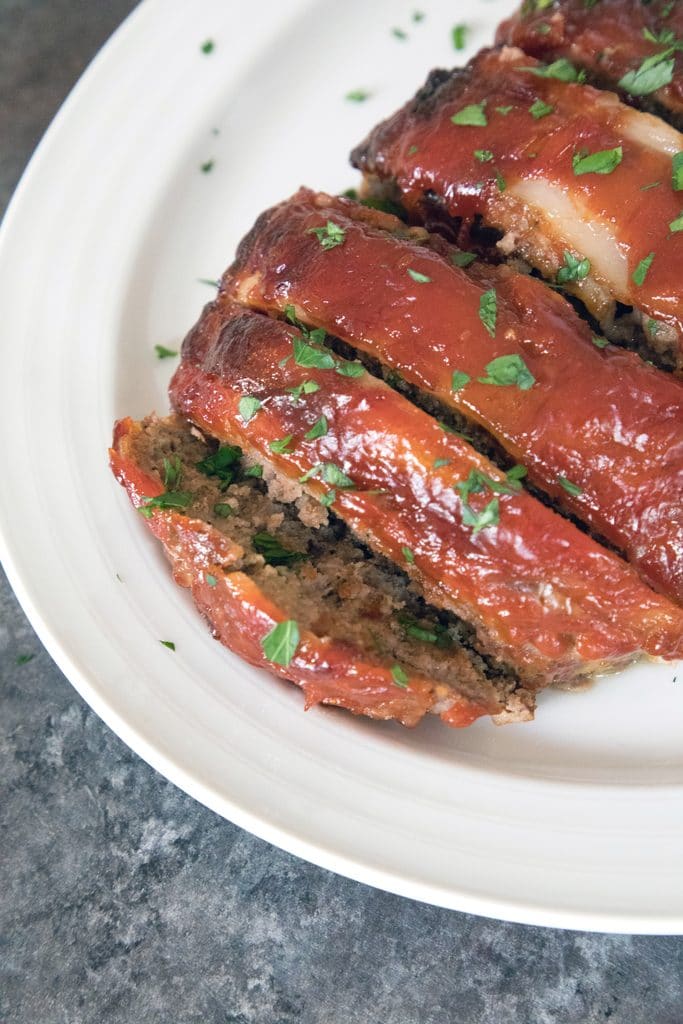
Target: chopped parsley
{"x":408,"y":555}
{"x":223,"y":510}
{"x":641,"y":271}
{"x":508,"y":371}
{"x":677,"y":172}
{"x":500,"y":180}
{"x":418,"y":16}
{"x":280,"y":644}
{"x":561,"y":69}
{"x":603,"y":162}
{"x":274,"y":552}
{"x":488,"y":516}
{"x":488,"y":311}
{"x":23,"y":659}
{"x":331,"y":474}
{"x":211,"y":580}
{"x":208,"y":281}
{"x":654,"y":73}
{"x":208,"y":46}
{"x":329,"y":236}
{"x":357,"y":96}
{"x":412,"y":151}
{"x":599,"y":342}
{"x":173,"y":473}
{"x":504,"y":111}
{"x":168,"y":643}
{"x":223,"y":463}
{"x":255,"y":470}
{"x":309,"y":357}
{"x":329,"y":498}
{"x":515,"y":474}
{"x":164,"y":353}
{"x":319,"y":429}
{"x":473,"y":115}
{"x":575,"y":269}
{"x":417,"y":276}
{"x":439,"y":463}
{"x":652,"y":184}
{"x":539,"y":109}
{"x":483,"y":155}
{"x":308,"y":387}
{"x":282,"y":445}
{"x":176,"y":501}
{"x":399,"y":676}
{"x":347,"y":369}
{"x":248,"y":407}
{"x":569,"y":487}
{"x":398,"y":33}
{"x":459,"y":380}
{"x":459,"y":36}
{"x":207,"y":166}
{"x":477,"y":481}
{"x":462,"y":259}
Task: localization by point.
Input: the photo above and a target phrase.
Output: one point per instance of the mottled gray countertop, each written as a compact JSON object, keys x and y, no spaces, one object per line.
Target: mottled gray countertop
{"x":122,"y":900}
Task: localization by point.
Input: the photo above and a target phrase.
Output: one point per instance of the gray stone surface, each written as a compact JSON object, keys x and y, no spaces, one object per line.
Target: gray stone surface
{"x":123,"y":901}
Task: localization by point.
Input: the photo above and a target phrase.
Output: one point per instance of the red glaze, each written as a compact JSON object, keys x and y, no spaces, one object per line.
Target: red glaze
{"x":601,"y":419}
{"x":540,"y":593}
{"x":606,"y":39}
{"x":240,"y":614}
{"x":422,"y":151}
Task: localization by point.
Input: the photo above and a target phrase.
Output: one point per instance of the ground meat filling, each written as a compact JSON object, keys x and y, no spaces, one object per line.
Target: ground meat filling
{"x":306,"y":560}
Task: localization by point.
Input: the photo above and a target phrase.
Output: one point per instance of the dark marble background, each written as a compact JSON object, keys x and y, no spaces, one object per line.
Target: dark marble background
{"x":123,"y":901}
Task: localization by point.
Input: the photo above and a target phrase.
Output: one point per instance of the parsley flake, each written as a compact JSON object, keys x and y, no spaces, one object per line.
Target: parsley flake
{"x":223,"y":463}
{"x":281,"y":446}
{"x":329,"y":236}
{"x":417,"y":276}
{"x":539,"y":109}
{"x":274,"y":552}
{"x":504,"y":111}
{"x":439,"y":463}
{"x":408,"y":555}
{"x":459,"y":37}
{"x":473,"y":115}
{"x":23,"y":659}
{"x":357,"y":96}
{"x":399,"y":676}
{"x":603,"y":162}
{"x":347,"y":369}
{"x":309,"y":357}
{"x":677,"y":224}
{"x":488,"y":516}
{"x":319,"y":429}
{"x":483,"y":155}
{"x":569,"y":487}
{"x":459,"y":380}
{"x":168,"y":643}
{"x":561,"y":69}
{"x":575,"y":269}
{"x":508,"y":371}
{"x":207,"y":166}
{"x":462,"y":259}
{"x":599,"y":342}
{"x":488,"y":311}
{"x":223,"y":510}
{"x":175,"y":501}
{"x":248,"y":407}
{"x":209,"y":281}
{"x":640,"y":273}
{"x":211,"y":580}
{"x":677,"y":172}
{"x":654,"y":73}
{"x":398,"y":33}
{"x":280,"y":644}
{"x":208,"y":46}
{"x":164,"y":353}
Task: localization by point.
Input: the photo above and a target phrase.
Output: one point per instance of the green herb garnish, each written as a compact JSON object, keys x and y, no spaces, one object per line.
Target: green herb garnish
{"x":223,"y":463}
{"x":211,"y":580}
{"x":603,"y":162}
{"x":207,"y":166}
{"x":489,"y":516}
{"x":539,"y":109}
{"x":504,"y":111}
{"x":168,"y":643}
{"x":164,"y":353}
{"x":508,"y":371}
{"x":677,"y":172}
{"x":561,"y":69}
{"x":473,"y":115}
{"x":308,"y":387}
{"x":248,"y":407}
{"x":319,"y":429}
{"x":677,"y":224}
{"x":459,"y":380}
{"x":23,"y":659}
{"x":398,"y":33}
{"x":574,"y":269}
{"x":459,"y":36}
{"x":462,"y":259}
{"x":173,"y":473}
{"x":282,"y":445}
{"x":329,"y":236}
{"x":308,"y":356}
{"x":223,"y":510}
{"x":654,"y":73}
{"x":439,"y":463}
{"x":346,"y":369}
{"x":208,"y":46}
{"x":417,"y":276}
{"x":399,"y":676}
{"x":357,"y":96}
{"x":279,"y":646}
{"x":599,"y":342}
{"x":569,"y":487}
{"x":272,"y":550}
{"x":255,"y":470}
{"x":176,"y":501}
{"x":483,"y":155}
{"x":408,"y":555}
{"x":488,"y":311}
{"x":640,"y":273}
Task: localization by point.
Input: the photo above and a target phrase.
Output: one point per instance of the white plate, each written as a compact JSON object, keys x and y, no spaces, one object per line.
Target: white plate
{"x":574,"y":820}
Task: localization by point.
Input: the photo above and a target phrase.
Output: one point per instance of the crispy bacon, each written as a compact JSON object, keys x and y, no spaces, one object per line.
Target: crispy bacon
{"x":599,"y":430}
{"x":542,"y":595}
{"x":240,"y":614}
{"x":518,"y":172}
{"x":611,"y":40}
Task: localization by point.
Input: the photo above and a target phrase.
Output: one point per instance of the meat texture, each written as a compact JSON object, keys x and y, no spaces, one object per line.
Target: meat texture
{"x":627,"y":45}
{"x":597,"y":429}
{"x":542,"y":596}
{"x":241,"y":614}
{"x":584,"y":188}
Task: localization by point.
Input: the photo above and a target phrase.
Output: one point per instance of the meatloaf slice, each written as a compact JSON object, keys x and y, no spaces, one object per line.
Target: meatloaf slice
{"x":353,"y":631}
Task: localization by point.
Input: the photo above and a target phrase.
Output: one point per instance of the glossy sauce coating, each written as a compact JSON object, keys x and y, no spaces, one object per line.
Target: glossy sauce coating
{"x":542,"y":595}
{"x":528,"y":188}
{"x":240,"y":614}
{"x":606,"y":38}
{"x":599,"y":418}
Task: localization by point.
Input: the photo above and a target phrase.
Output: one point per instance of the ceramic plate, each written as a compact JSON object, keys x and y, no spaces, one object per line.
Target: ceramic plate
{"x":573,"y":820}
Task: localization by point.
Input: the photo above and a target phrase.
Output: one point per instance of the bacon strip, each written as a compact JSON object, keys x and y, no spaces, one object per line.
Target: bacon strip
{"x":602,"y":421}
{"x":610,"y":39}
{"x":240,"y":615}
{"x":542,"y":596}
{"x":516,"y":171}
